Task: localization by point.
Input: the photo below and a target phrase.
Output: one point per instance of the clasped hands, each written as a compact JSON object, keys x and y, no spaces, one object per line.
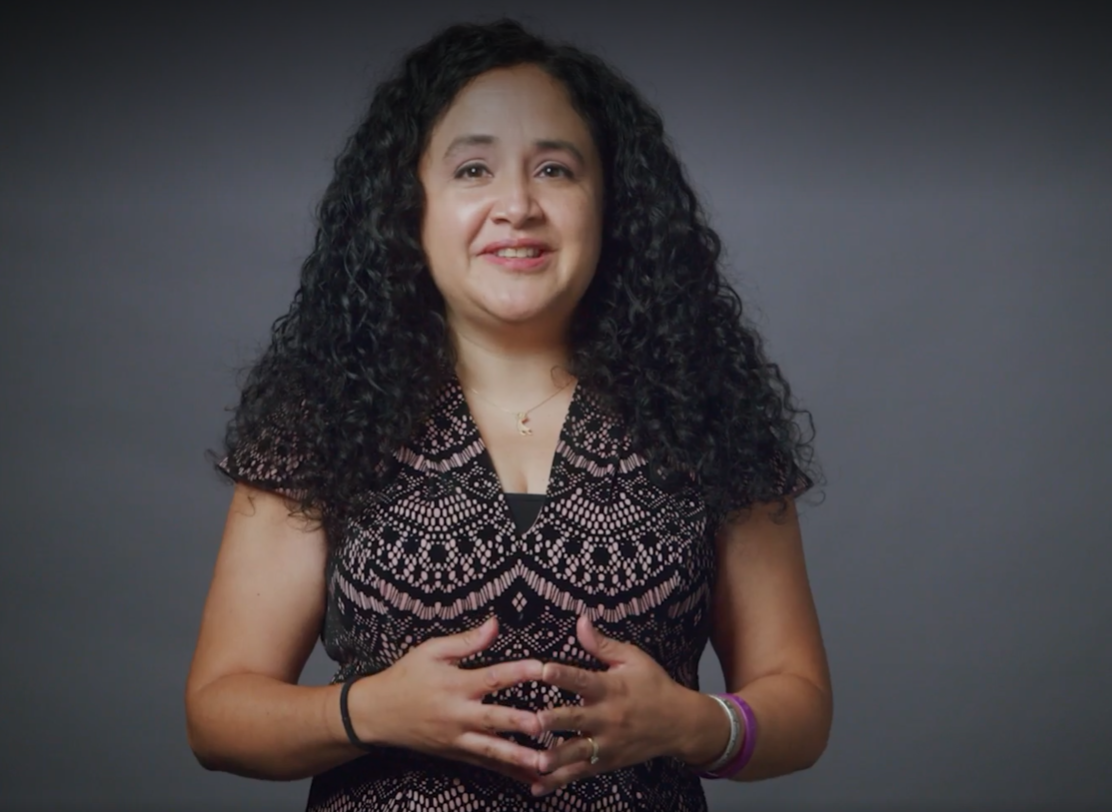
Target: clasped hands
{"x":631,"y":710}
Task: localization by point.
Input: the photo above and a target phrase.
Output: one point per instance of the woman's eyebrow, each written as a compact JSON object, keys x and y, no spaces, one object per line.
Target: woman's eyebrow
{"x":470,"y":140}
{"x":549,"y":144}
{"x":478,"y":139}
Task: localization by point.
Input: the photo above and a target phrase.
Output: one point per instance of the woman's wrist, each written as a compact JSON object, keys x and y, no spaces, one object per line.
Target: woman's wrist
{"x":704,"y":731}
{"x":360,"y":694}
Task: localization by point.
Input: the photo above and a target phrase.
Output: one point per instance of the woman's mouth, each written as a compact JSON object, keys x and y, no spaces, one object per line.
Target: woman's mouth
{"x":519,"y":259}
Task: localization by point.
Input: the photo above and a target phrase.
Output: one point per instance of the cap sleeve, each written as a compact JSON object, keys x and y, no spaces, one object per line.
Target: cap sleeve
{"x":271,"y":457}
{"x":790,"y":480}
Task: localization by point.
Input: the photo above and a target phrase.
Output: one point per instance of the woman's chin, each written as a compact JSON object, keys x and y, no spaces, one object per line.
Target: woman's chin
{"x":519,"y":311}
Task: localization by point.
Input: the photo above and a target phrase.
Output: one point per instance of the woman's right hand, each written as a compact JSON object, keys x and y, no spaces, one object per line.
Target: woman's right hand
{"x":426,"y":702}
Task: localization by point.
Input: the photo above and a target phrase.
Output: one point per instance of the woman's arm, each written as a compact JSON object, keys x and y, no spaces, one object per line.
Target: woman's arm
{"x":245,"y":713}
{"x":766,"y":635}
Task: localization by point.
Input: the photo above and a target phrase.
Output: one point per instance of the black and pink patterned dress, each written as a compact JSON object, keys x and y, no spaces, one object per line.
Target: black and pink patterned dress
{"x":442,"y":548}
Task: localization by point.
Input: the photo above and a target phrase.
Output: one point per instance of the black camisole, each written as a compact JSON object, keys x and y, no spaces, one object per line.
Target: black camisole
{"x":524,"y":507}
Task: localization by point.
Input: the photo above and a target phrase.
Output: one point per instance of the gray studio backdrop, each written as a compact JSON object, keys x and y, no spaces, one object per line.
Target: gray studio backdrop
{"x":915,"y":208}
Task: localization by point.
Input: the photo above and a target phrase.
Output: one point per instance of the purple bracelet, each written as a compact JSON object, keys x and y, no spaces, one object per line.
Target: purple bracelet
{"x":748,"y":744}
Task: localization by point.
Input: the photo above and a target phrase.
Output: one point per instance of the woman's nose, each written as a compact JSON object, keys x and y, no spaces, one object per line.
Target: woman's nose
{"x":515,"y":202}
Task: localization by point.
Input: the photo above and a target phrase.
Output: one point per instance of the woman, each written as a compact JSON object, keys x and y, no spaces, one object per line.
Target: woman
{"x":514,"y":457}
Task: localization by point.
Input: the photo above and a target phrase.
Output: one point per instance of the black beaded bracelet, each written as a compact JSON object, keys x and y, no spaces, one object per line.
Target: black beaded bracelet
{"x":347,"y":717}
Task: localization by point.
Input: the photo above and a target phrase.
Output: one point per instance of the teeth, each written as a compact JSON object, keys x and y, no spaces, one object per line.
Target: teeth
{"x":519,"y":252}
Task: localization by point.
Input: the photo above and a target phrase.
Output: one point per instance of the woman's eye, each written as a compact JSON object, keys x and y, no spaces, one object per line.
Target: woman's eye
{"x":556,"y":171}
{"x":474,"y":171}
{"x":470,"y":171}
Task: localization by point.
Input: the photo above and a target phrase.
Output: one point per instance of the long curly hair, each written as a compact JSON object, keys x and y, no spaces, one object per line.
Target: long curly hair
{"x":353,"y":368}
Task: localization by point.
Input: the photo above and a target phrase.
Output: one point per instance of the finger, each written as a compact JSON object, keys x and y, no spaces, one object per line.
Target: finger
{"x":577,"y":771}
{"x":606,"y":649}
{"x":501,"y":719}
{"x":454,"y":647}
{"x":567,"y":717}
{"x":572,"y":751}
{"x":588,"y":684}
{"x":495,"y":748}
{"x":525,"y":776}
{"x":499,"y":676}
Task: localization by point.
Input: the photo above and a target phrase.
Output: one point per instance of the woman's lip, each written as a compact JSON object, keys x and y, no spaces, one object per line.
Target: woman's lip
{"x":500,"y":245}
{"x":519,"y":263}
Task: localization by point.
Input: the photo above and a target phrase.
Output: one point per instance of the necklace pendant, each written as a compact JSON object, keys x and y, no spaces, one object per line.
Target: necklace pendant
{"x":522,"y":429}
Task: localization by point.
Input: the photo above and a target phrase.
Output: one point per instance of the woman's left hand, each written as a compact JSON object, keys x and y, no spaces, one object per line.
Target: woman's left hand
{"x":628,"y":710}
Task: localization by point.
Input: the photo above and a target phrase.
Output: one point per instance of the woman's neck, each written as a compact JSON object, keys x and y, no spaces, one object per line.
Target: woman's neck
{"x":508,"y":371}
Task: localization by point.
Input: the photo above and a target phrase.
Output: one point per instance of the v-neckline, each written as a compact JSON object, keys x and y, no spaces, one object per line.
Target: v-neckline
{"x":555,"y":468}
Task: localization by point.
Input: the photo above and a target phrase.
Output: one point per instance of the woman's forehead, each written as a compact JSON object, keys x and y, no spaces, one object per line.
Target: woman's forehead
{"x":519,"y":105}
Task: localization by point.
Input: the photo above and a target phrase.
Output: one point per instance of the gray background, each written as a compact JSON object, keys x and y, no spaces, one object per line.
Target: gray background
{"x":916,"y":208}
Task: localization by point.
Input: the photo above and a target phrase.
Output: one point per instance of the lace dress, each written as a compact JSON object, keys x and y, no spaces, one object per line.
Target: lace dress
{"x":439,"y":550}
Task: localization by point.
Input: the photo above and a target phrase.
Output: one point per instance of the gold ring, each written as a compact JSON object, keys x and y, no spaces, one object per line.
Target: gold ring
{"x":594,"y":750}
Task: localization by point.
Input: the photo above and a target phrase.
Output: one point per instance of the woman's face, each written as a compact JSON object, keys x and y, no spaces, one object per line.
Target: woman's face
{"x":511,"y":163}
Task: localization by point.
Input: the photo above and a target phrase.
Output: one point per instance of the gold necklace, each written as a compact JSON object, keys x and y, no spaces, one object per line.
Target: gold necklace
{"x":522,"y":429}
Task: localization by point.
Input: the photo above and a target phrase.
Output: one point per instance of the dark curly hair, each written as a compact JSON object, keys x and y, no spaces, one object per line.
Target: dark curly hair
{"x":354,"y":366}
